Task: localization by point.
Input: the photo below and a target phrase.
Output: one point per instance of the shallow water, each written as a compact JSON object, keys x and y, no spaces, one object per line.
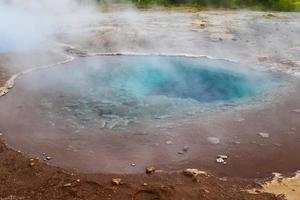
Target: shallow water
{"x":118,"y":91}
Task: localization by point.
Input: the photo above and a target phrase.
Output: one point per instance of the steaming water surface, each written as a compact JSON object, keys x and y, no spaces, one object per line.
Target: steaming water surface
{"x":111,"y":92}
{"x":119,"y":108}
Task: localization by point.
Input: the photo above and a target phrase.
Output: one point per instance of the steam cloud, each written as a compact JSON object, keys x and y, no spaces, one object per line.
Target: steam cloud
{"x":33,"y":24}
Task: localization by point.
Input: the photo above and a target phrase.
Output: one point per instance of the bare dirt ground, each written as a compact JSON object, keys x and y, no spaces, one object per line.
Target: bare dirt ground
{"x":268,"y":42}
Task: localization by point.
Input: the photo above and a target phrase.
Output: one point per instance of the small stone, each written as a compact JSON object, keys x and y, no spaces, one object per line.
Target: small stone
{"x":291,"y":133}
{"x":185,"y":148}
{"x":180,"y":152}
{"x":78,"y":180}
{"x":1,"y":134}
{"x":169,"y":142}
{"x":150,"y":170}
{"x":193,"y":172}
{"x":116,"y":181}
{"x":213,"y":140}
{"x":68,"y":185}
{"x":222,"y":156}
{"x":296,"y":110}
{"x":31,"y":164}
{"x":19,"y":151}
{"x":48,"y":158}
{"x":262,"y":59}
{"x":264,"y":135}
{"x":293,"y":129}
{"x":239,"y":120}
{"x":145,"y":184}
{"x":132,"y":164}
{"x":221,"y":161}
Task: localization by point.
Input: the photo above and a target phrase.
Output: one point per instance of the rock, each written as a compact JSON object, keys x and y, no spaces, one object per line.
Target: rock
{"x":239,"y":120}
{"x":169,"y":142}
{"x":116,"y":181}
{"x":264,"y":135}
{"x":132,"y":164}
{"x":221,"y":159}
{"x":213,"y":140}
{"x":193,"y":172}
{"x":1,"y":134}
{"x":262,"y":59}
{"x":67,"y":185}
{"x":145,"y":184}
{"x":185,"y":149}
{"x":31,"y":164}
{"x":180,"y":152}
{"x":48,"y":158}
{"x":150,"y":170}
{"x":222,"y":156}
{"x":296,"y":110}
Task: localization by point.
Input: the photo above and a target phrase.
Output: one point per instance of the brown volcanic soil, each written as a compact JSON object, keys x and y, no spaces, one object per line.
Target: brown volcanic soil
{"x":25,"y":178}
{"x":20,"y":179}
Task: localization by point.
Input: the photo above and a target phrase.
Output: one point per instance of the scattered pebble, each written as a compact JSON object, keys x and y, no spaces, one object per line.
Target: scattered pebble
{"x":213,"y":140}
{"x":48,"y":158}
{"x":221,"y":159}
{"x":31,"y":164}
{"x":239,"y":120}
{"x":264,"y":135}
{"x":132,"y":164}
{"x":145,"y":184}
{"x":180,"y":152}
{"x":185,"y":149}
{"x":169,"y":142}
{"x":193,"y":172}
{"x":116,"y":181}
{"x":1,"y":134}
{"x":296,"y":110}
{"x":68,"y":185}
{"x":150,"y":170}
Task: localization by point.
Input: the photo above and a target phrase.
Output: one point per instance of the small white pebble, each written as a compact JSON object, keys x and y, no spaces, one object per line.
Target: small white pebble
{"x":133,"y":164}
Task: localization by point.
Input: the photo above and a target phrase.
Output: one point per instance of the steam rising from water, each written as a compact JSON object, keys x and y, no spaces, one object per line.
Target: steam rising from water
{"x":32,"y":24}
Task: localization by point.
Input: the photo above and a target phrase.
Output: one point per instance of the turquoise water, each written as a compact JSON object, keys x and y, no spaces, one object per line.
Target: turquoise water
{"x":184,"y":78}
{"x":115,"y":91}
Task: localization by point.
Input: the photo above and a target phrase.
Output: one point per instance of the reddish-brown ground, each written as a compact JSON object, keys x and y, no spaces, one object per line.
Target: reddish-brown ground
{"x":22,"y":178}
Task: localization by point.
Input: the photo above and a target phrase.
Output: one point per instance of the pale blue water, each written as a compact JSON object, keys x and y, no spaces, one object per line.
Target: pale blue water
{"x":112,"y":91}
{"x":184,"y":78}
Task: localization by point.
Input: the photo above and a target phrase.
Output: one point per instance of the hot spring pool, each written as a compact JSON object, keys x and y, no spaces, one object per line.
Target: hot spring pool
{"x":101,"y":113}
{"x":116,"y":91}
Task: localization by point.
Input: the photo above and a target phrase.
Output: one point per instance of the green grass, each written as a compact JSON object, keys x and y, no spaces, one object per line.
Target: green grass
{"x":268,"y":5}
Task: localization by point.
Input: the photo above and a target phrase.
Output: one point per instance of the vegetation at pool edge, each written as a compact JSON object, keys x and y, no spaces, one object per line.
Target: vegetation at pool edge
{"x":261,"y":5}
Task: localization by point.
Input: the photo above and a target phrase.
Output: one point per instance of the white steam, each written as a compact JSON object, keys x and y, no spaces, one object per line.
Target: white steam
{"x":33,"y":24}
